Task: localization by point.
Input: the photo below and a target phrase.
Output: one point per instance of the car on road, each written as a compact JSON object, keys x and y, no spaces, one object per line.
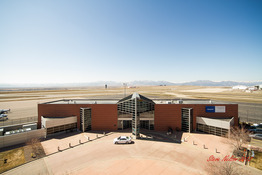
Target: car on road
{"x":256,"y":136}
{"x":255,"y":130}
{"x":4,"y":118}
{"x":123,"y":139}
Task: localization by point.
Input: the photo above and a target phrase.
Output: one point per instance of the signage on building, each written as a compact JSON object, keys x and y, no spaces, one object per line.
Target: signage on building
{"x":210,"y":109}
{"x":221,"y":109}
{"x":215,"y":109}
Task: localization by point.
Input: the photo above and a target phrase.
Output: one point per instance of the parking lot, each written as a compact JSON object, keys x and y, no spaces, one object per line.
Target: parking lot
{"x":153,"y":154}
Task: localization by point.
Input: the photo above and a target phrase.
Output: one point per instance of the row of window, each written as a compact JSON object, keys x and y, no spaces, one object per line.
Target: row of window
{"x":61,"y":128}
{"x":212,"y":130}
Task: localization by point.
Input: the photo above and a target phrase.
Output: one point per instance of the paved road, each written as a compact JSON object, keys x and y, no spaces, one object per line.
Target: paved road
{"x":248,"y":112}
{"x":35,"y":167}
{"x":256,"y":142}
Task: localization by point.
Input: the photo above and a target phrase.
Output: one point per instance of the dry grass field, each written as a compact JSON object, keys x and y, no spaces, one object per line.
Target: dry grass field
{"x":13,"y":158}
{"x":19,"y":156}
{"x":257,"y":160}
{"x":23,"y":102}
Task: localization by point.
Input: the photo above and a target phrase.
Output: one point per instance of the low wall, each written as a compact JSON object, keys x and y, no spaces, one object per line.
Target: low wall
{"x":20,"y":138}
{"x":20,"y":121}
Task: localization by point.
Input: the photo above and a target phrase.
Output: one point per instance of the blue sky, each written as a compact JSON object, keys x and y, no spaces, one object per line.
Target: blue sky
{"x":123,"y":40}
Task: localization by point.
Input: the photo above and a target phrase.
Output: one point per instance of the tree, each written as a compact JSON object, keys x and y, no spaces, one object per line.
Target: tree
{"x":36,"y":146}
{"x":238,"y":136}
{"x":224,"y":168}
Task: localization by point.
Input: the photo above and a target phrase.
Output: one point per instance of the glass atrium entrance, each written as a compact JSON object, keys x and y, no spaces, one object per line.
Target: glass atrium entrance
{"x":137,"y":109}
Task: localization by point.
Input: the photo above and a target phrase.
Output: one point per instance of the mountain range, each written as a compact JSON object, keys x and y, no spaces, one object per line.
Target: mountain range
{"x":134,"y":83}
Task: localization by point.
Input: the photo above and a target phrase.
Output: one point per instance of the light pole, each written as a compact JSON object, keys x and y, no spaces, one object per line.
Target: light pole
{"x":124,"y":84}
{"x":247,"y":115}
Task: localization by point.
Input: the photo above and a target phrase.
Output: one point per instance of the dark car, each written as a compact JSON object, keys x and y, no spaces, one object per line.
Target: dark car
{"x":255,"y":129}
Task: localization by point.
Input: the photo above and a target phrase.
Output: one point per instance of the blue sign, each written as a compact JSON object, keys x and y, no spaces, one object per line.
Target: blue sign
{"x":210,"y":109}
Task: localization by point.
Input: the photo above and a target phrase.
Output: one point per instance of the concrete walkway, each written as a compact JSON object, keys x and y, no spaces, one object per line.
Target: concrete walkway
{"x":32,"y":168}
{"x":101,"y":156}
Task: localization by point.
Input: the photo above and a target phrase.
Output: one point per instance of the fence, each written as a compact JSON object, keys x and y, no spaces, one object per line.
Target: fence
{"x":20,"y":138}
{"x":250,"y":120}
{"x":18,"y":121}
{"x":251,"y":113}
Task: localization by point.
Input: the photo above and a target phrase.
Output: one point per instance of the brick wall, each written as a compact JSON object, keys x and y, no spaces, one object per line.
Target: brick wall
{"x":169,"y":115}
{"x":104,"y":116}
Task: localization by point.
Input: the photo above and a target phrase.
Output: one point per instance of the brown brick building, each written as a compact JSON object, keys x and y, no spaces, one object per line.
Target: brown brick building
{"x":137,"y":111}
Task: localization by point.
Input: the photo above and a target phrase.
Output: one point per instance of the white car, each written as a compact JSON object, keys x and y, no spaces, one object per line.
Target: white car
{"x":256,"y":136}
{"x":122,"y":139}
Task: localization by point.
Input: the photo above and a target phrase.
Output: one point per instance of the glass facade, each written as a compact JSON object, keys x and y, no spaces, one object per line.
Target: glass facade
{"x":85,"y":119}
{"x":187,"y":119}
{"x":212,"y":130}
{"x":138,"y":109}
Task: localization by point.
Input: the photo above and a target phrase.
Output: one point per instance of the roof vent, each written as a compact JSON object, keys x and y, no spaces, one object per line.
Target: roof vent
{"x":180,"y":101}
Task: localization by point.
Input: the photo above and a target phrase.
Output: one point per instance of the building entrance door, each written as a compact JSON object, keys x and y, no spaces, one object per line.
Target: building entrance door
{"x":134,"y":106}
{"x":127,"y":124}
{"x":144,"y":124}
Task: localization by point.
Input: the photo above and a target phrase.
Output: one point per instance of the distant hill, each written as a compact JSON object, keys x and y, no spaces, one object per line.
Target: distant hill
{"x":193,"y":83}
{"x":132,"y":83}
{"x":221,"y":83}
{"x":150,"y":83}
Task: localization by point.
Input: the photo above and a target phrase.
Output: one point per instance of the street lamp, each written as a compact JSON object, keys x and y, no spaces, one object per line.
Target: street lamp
{"x":124,"y":84}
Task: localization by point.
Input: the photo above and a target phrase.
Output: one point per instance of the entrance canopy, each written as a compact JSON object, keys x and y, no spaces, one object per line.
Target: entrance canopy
{"x":215,"y":126}
{"x":49,"y":122}
{"x":225,"y":123}
{"x":58,"y":124}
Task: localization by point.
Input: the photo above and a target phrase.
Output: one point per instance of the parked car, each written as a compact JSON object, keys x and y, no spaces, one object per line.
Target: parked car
{"x":122,"y":139}
{"x":256,"y":130}
{"x":256,"y":136}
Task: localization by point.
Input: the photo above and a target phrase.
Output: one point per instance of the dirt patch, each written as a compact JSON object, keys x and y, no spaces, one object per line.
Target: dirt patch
{"x":30,"y":155}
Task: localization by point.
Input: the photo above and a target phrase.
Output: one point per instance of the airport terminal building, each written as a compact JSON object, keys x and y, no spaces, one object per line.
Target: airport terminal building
{"x":136,"y":111}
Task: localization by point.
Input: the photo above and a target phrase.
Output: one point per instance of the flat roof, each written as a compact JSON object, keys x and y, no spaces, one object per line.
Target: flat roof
{"x":136,"y":95}
{"x":227,"y":119}
{"x":157,"y":101}
{"x":83,"y":101}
